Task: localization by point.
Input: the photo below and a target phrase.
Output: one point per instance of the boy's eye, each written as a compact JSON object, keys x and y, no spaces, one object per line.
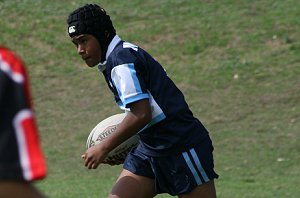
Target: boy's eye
{"x":82,"y":41}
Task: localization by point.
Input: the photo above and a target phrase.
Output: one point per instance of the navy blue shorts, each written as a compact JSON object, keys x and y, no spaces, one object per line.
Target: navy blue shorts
{"x":176,"y":174}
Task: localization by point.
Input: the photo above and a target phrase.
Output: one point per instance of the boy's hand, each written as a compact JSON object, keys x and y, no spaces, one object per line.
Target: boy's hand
{"x":109,"y":162}
{"x":94,"y":156}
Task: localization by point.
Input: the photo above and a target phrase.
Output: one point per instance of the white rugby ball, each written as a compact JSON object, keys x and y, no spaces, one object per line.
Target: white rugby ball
{"x":104,"y":129}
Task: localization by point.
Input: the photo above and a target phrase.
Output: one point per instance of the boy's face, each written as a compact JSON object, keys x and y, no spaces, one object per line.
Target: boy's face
{"x":88,"y":48}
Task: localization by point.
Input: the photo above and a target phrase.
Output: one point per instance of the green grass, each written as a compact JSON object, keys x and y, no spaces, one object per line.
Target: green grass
{"x":237,"y":63}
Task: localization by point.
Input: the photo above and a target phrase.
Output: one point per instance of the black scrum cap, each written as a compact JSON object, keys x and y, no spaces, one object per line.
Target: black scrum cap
{"x":92,"y":19}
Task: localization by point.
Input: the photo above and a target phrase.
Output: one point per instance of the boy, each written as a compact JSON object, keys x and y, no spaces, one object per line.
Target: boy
{"x":175,"y":151}
{"x":21,"y":158}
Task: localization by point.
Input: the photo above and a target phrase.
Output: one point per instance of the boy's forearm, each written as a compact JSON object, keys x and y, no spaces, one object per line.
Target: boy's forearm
{"x":138,"y":116}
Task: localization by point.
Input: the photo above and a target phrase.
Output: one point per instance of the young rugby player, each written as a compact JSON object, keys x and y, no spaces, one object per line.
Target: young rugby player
{"x":175,"y":151}
{"x":21,"y":158}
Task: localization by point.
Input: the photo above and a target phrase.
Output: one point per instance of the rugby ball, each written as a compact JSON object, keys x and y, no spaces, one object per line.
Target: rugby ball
{"x":105,"y":128}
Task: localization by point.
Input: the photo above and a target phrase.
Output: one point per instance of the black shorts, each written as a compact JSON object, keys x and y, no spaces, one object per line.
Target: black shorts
{"x":178,"y":173}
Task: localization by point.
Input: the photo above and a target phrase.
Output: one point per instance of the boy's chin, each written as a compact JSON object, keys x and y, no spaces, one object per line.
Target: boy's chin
{"x":90,"y":64}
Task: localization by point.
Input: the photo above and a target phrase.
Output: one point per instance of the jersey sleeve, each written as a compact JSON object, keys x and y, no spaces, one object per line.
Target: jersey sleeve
{"x":129,"y":82}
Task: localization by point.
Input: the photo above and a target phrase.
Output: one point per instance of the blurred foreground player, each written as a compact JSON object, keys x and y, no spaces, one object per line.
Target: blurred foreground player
{"x":21,"y":157}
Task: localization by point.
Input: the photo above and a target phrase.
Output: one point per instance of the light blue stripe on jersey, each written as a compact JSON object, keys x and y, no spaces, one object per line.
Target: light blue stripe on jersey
{"x":129,"y":90}
{"x":127,"y":83}
{"x":134,"y":78}
{"x":136,"y":98}
{"x":155,"y":120}
{"x":130,"y":100}
{"x":199,"y":165}
{"x":192,"y":168}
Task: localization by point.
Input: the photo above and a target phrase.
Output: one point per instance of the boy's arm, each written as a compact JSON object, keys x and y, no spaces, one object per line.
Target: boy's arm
{"x":138,"y":116}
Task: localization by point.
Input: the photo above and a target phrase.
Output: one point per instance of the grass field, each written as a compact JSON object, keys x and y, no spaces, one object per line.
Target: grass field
{"x":237,"y":62}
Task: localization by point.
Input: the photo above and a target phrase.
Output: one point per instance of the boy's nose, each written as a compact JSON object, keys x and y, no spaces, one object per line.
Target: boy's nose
{"x":80,"y":49}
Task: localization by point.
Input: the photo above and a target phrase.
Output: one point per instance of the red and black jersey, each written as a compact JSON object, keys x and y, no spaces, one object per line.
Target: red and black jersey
{"x":21,"y":157}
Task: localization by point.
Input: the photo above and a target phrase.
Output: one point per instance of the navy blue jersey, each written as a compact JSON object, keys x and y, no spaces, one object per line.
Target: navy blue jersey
{"x":132,"y":75}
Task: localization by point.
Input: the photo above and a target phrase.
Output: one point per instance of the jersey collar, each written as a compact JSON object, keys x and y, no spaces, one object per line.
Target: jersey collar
{"x":111,"y":46}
